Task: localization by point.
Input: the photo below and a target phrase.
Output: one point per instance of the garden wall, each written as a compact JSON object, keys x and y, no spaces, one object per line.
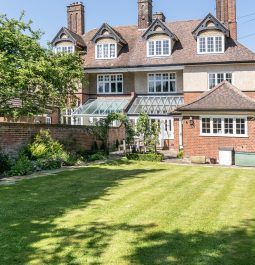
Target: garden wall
{"x":14,"y":136}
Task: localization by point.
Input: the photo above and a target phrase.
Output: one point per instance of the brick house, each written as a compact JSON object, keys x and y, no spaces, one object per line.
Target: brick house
{"x":167,"y":69}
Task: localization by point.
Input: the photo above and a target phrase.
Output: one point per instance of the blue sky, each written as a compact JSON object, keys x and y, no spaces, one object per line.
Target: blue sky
{"x":50,"y":15}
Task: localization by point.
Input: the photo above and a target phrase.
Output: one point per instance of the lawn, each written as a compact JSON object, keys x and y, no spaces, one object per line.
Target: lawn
{"x":130,"y":213}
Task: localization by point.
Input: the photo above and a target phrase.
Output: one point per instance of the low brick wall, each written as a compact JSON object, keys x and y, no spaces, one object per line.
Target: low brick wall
{"x":14,"y":136}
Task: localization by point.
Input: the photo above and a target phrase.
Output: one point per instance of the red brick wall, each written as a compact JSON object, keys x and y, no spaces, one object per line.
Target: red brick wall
{"x":14,"y":136}
{"x":195,"y":145}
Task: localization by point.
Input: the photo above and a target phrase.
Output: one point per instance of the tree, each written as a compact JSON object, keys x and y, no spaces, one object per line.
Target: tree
{"x":148,"y":130}
{"x":31,"y":75}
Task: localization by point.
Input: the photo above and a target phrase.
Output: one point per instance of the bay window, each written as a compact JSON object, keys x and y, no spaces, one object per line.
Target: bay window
{"x":224,"y":126}
{"x":110,"y":84}
{"x":216,"y":78}
{"x":162,"y":83}
{"x":158,"y":48}
{"x":210,"y":44}
{"x":106,"y":51}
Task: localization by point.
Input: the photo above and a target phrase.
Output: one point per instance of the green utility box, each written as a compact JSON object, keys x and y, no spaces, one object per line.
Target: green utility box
{"x":245,"y":159}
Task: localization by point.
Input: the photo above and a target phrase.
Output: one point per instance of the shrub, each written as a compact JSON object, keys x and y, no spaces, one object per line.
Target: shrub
{"x":44,"y":147}
{"x":48,"y":164}
{"x":5,"y":163}
{"x":97,"y":156}
{"x":72,"y":159}
{"x":146,"y":157}
{"x":22,"y":166}
{"x":180,"y":155}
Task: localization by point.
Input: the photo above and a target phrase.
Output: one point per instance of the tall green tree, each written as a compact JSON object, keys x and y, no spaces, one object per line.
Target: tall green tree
{"x":31,"y":75}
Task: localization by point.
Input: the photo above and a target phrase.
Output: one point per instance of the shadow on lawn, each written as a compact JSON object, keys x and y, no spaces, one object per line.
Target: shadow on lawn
{"x":29,"y":208}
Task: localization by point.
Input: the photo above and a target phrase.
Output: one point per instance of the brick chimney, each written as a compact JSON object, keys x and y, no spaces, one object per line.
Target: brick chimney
{"x":226,"y":13}
{"x":160,"y":16}
{"x":75,"y":17}
{"x":144,"y":13}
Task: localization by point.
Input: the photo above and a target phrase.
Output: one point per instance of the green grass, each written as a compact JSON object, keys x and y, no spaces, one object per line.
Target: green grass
{"x":130,"y":213}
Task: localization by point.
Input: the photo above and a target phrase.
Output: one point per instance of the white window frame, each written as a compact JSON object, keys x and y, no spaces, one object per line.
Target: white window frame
{"x":64,"y":49}
{"x":162,"y":48}
{"x":48,"y":120}
{"x":223,"y":134}
{"x":109,"y":51}
{"x":162,"y":80}
{"x":216,"y":78}
{"x":214,"y":45}
{"x":116,"y":82}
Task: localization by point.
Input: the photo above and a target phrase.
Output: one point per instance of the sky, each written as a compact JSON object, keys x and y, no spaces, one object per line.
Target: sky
{"x":50,"y":15}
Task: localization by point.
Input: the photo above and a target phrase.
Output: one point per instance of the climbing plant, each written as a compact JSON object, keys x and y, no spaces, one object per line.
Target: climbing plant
{"x":103,"y":125}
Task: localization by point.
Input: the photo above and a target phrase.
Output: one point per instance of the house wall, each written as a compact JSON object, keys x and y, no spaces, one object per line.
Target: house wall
{"x":196,"y":145}
{"x":195,"y":78}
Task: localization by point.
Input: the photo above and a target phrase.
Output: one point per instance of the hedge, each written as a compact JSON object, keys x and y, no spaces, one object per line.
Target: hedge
{"x":146,"y":157}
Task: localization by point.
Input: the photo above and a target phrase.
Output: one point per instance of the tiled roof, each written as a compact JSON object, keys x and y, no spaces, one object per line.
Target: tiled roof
{"x":184,"y":51}
{"x":224,"y":97}
{"x":79,"y":40}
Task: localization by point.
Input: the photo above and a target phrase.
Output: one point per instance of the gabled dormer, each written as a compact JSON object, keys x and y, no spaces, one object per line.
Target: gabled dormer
{"x":159,"y":39}
{"x":67,"y":41}
{"x":211,"y":36}
{"x":108,"y":43}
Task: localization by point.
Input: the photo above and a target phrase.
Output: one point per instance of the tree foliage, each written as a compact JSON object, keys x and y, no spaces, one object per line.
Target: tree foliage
{"x":31,"y":75}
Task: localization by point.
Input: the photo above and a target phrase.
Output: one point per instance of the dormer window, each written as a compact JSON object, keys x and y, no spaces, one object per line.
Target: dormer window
{"x":106,"y":51}
{"x":64,"y":49}
{"x":158,"y":48}
{"x":210,"y":44}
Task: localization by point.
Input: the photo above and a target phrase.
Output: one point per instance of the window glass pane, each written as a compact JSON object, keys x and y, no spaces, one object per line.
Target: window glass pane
{"x":158,"y":47}
{"x":165,"y":86}
{"x":151,"y":48}
{"x":101,"y":87}
{"x":120,"y":89}
{"x":229,"y":126}
{"x":229,"y":77}
{"x":107,"y":87}
{"x":210,"y":44}
{"x":218,"y":44}
{"x":166,"y":47}
{"x":99,"y":51}
{"x":217,"y":127}
{"x":202,"y":47}
{"x":112,"y":50}
{"x":206,"y":126}
{"x":113,"y":78}
{"x":106,"y":51}
{"x":212,"y":81}
{"x":220,"y":78}
{"x":172,"y":86}
{"x":158,"y":86}
{"x":113,"y":87}
{"x":106,"y":78}
{"x":151,"y":87}
{"x":240,"y":126}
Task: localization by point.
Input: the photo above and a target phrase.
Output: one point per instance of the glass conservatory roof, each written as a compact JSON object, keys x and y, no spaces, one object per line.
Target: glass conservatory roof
{"x":155,"y":105}
{"x":101,"y":107}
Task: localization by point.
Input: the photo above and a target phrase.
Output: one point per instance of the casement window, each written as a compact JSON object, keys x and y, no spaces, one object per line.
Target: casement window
{"x":64,"y":49}
{"x":106,"y":51}
{"x":110,"y":84}
{"x":210,"y":44}
{"x":162,"y":83}
{"x":48,"y":120}
{"x":158,"y":48}
{"x":216,"y":78}
{"x":224,"y":126}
